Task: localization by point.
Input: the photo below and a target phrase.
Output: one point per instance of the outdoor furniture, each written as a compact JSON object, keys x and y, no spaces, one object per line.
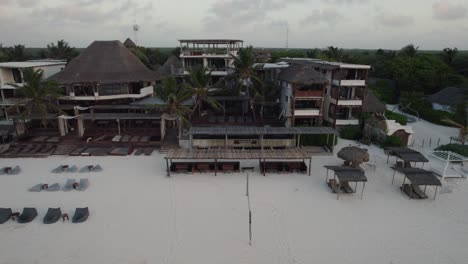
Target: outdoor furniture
{"x":139,"y":151}
{"x":148,"y":151}
{"x":69,"y":185}
{"x":180,"y":167}
{"x":333,"y":184}
{"x":38,"y":187}
{"x":202,"y":167}
{"x":407,"y":155}
{"x":5,"y":214}
{"x":52,"y":215}
{"x":83,"y":185}
{"x":342,"y":176}
{"x":418,"y":177}
{"x":296,"y":167}
{"x":27,"y":215}
{"x":53,"y":188}
{"x":12,"y":171}
{"x":81,"y":215}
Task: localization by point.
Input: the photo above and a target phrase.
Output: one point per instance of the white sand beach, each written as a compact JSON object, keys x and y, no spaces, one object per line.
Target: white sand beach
{"x":138,"y":215}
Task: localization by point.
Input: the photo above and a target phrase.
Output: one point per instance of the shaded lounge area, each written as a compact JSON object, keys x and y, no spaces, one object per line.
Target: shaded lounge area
{"x":406,"y":155}
{"x":418,"y":178}
{"x":228,"y":160}
{"x":342,"y":177}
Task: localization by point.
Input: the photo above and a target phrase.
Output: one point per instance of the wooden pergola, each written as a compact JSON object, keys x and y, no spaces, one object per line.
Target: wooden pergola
{"x":346,"y":174}
{"x":418,"y":177}
{"x":407,"y":155}
{"x":237,"y":154}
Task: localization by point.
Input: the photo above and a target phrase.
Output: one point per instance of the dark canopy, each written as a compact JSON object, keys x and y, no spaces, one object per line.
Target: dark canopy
{"x":301,"y":74}
{"x":407,"y":154}
{"x":27,"y":215}
{"x":81,"y":215}
{"x":348,"y":174}
{"x":105,"y":62}
{"x":419,"y":176}
{"x":52,"y":216}
{"x":5,"y":214}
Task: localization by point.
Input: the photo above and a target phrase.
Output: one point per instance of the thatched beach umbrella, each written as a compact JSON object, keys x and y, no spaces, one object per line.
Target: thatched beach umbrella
{"x":354,"y":155}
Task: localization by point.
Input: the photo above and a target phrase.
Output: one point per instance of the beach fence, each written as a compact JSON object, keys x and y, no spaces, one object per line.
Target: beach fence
{"x":429,"y":143}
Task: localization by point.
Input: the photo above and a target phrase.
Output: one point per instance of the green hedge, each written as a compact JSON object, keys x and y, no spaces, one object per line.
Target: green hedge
{"x":399,"y":118}
{"x":351,"y":132}
{"x":318,"y":140}
{"x":393,"y":141}
{"x":457,"y":148}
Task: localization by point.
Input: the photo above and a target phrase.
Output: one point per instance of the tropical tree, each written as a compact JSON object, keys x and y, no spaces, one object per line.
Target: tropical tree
{"x":263,"y":93}
{"x":16,"y":53}
{"x":460,"y":120}
{"x":174,"y":95}
{"x":336,"y":54}
{"x":61,"y":51}
{"x":409,"y":50}
{"x":448,"y":55}
{"x":39,"y":96}
{"x":245,"y":72}
{"x":198,"y":82}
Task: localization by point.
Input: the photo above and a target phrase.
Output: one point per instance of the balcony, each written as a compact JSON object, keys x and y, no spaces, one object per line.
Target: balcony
{"x":11,"y":85}
{"x":349,"y":82}
{"x":146,"y":91}
{"x":307,"y":112}
{"x":308,"y":93}
{"x":346,"y":122}
{"x":350,"y":102}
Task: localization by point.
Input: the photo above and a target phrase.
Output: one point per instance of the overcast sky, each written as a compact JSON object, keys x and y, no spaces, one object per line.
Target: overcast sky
{"x":430,"y":24}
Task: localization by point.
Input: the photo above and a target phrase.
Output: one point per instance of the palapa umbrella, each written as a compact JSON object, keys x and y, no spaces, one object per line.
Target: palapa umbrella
{"x":354,"y":155}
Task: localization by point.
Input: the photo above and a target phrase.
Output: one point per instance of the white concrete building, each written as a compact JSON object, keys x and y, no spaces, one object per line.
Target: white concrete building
{"x":213,"y":54}
{"x":12,"y":77}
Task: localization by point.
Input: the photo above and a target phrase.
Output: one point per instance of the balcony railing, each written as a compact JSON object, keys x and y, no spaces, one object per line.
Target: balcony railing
{"x":308,"y":93}
{"x":146,"y":91}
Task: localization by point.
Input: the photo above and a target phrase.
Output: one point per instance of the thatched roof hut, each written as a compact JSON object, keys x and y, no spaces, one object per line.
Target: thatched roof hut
{"x":372,"y":104}
{"x":301,"y":74}
{"x":129,"y":43}
{"x":105,"y":62}
{"x":356,"y":156}
{"x":172,"y":66}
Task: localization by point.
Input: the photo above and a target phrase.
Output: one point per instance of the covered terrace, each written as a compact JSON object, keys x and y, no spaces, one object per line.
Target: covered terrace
{"x":345,"y":175}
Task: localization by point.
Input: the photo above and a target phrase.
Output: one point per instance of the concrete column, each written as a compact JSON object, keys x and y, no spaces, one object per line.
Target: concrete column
{"x":61,"y":125}
{"x":80,"y":126}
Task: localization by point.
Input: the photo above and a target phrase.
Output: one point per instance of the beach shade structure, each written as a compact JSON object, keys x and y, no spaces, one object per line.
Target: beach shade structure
{"x":342,"y":176}
{"x":39,"y":187}
{"x":407,"y":155}
{"x":69,"y":185}
{"x":353,"y":155}
{"x":3,"y":171}
{"x":53,"y":187}
{"x":60,"y":169}
{"x":5,"y":214}
{"x":71,"y":169}
{"x":83,"y":185}
{"x":52,"y":216}
{"x":86,"y":169}
{"x":27,"y":215}
{"x":96,"y":168}
{"x":16,"y":170}
{"x":418,"y":178}
{"x":81,"y":215}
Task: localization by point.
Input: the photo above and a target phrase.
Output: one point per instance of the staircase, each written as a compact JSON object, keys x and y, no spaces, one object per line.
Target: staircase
{"x":171,"y":141}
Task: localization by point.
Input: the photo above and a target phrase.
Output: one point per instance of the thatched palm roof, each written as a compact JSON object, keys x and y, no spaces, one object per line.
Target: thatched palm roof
{"x":354,"y":155}
{"x":170,"y":66}
{"x":448,"y":96}
{"x":129,"y":43}
{"x":105,"y":62}
{"x":301,"y":74}
{"x":372,"y":104}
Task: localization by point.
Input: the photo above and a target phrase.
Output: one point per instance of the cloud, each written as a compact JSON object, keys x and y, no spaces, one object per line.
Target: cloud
{"x":445,"y":10}
{"x":394,"y":20}
{"x":339,"y":2}
{"x":329,"y":16}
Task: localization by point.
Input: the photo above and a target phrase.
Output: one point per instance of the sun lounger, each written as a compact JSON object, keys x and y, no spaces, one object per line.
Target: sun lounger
{"x":47,"y":148}
{"x":35,"y":149}
{"x":52,"y":216}
{"x":346,"y":188}
{"x":27,"y":215}
{"x":5,"y":214}
{"x":96,"y":168}
{"x":81,"y":215}
{"x":135,"y":139}
{"x":77,"y":151}
{"x":406,"y":188}
{"x":64,"y":149}
{"x":38,"y":187}
{"x":125,"y":138}
{"x":83,"y":185}
{"x":26,"y":148}
{"x":68,"y":185}
{"x":332,"y":183}
{"x":16,"y":170}
{"x":53,"y":188}
{"x":145,"y":139}
{"x":53,"y":140}
{"x":139,"y":151}
{"x":148,"y":151}
{"x":120,"y":151}
{"x":419,"y":192}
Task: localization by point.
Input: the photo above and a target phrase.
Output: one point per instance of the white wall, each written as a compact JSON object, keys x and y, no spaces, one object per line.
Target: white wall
{"x":50,"y":70}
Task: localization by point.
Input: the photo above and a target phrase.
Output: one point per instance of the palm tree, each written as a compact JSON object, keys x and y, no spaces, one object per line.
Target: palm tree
{"x":460,"y":120}
{"x":448,"y":55}
{"x":174,"y":95}
{"x":39,"y":95}
{"x":245,"y":71}
{"x":336,"y":54}
{"x":199,"y":84}
{"x":263,"y":93}
{"x":61,"y":51}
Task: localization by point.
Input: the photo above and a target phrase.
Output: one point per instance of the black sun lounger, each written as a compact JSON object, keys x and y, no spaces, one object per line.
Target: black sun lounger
{"x":27,"y":215}
{"x":406,"y":188}
{"x":52,"y":216}
{"x":81,"y":215}
{"x":5,"y":214}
